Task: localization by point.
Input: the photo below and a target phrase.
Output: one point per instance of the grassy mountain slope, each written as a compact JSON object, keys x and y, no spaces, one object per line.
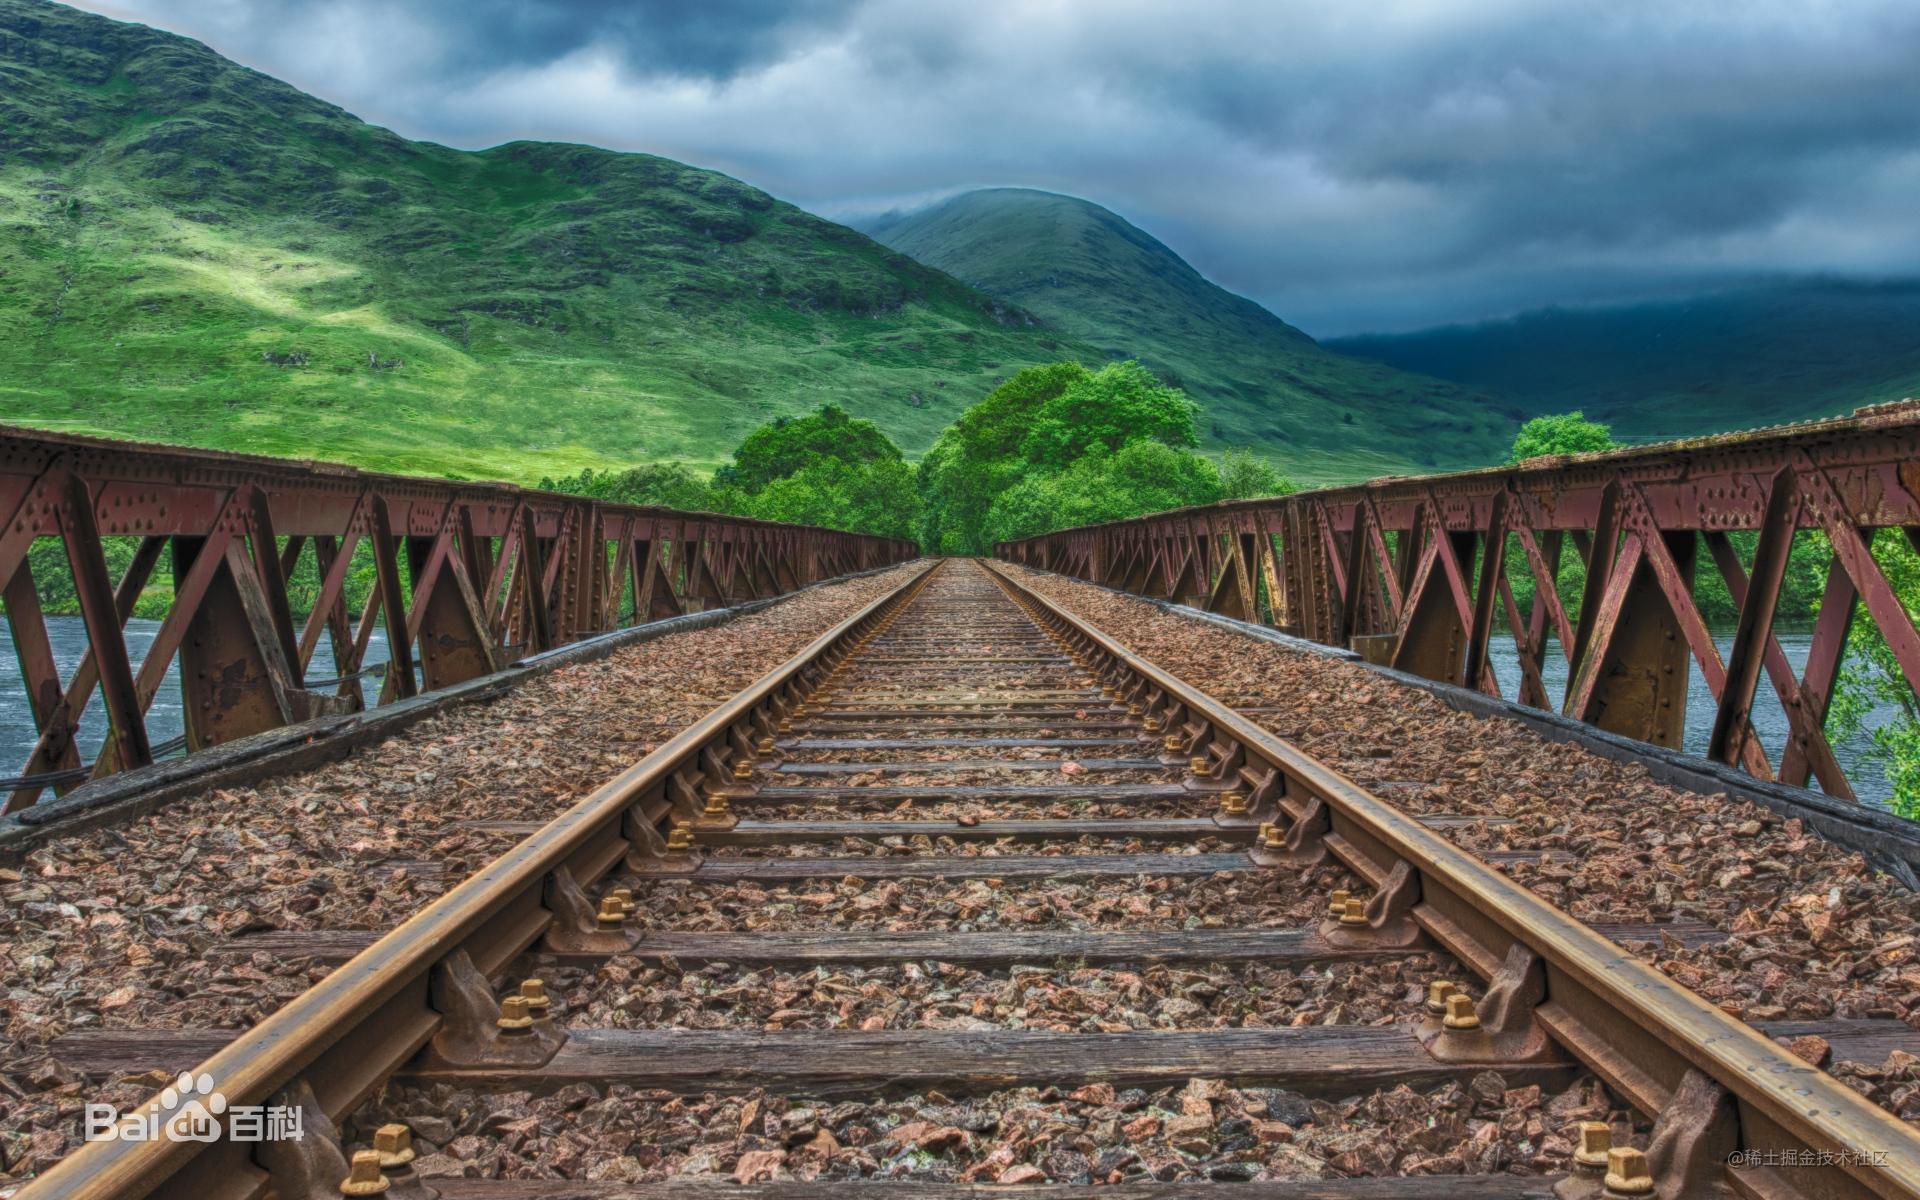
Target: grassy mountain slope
{"x":1730,"y":360}
{"x":1260,"y":381}
{"x":195,"y":252}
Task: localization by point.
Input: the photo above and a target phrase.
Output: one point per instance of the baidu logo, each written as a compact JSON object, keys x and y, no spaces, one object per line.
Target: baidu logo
{"x":191,"y":1110}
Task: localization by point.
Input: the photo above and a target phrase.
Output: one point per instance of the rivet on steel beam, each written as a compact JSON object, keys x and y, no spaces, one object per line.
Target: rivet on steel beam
{"x":1437,"y":993}
{"x":394,"y":1145}
{"x":1337,"y":903}
{"x":364,"y":1177}
{"x":1627,"y":1173}
{"x":1355,"y":912}
{"x":1460,"y":1014}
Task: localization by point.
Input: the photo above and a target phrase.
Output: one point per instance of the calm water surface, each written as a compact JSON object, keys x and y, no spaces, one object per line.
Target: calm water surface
{"x":165,"y":717}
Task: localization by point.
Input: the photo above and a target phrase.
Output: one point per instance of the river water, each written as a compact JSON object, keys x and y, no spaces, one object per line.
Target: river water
{"x":164,"y":719}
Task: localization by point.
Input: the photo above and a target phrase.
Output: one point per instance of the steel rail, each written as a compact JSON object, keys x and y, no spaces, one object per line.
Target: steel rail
{"x":1638,"y":1030}
{"x":347,"y":1033}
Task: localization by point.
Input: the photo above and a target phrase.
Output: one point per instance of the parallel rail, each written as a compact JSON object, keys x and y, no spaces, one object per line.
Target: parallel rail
{"x":1418,"y":573}
{"x":492,"y":572}
{"x":347,"y":1034}
{"x":1714,"y":1087}
{"x":1634,"y":1027}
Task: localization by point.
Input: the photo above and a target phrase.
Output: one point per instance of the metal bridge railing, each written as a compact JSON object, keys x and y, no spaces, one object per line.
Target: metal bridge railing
{"x":488,"y":568}
{"x":1415,"y":573}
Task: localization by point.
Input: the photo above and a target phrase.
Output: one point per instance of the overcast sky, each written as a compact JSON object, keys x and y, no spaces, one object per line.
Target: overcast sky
{"x":1353,"y":166}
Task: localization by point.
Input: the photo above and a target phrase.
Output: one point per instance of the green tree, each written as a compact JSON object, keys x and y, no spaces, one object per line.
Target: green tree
{"x":1561,"y":433}
{"x":1102,"y":485}
{"x":667,"y":485}
{"x":977,"y":457}
{"x":786,"y":446}
{"x":1120,"y":403}
{"x":1872,"y":693}
{"x":1244,"y":477}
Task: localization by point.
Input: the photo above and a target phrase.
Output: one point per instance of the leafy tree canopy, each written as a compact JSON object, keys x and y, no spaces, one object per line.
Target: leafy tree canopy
{"x":786,"y":446}
{"x":1118,"y":404}
{"x":1560,"y":433}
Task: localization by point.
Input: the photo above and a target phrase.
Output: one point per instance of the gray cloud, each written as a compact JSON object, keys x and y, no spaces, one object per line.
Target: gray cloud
{"x":1352,"y":167}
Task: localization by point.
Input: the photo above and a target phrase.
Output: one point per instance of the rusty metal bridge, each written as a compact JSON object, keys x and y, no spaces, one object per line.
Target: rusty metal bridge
{"x":467,"y":577}
{"x":1412,"y":573}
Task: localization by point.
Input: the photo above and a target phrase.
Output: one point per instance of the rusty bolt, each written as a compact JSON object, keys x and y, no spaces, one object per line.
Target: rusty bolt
{"x":394,"y":1145}
{"x":1437,"y":992}
{"x":1596,"y":1139}
{"x":1270,"y":837}
{"x":1337,"y":903}
{"x":1355,"y":913}
{"x":1200,"y":765}
{"x":1460,"y":1014}
{"x":1233,"y":803}
{"x":680,"y":839}
{"x":364,"y":1177}
{"x":1627,"y":1173}
{"x":534,"y":992}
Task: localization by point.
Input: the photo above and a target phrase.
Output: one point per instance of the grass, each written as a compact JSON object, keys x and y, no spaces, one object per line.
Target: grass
{"x":1323,"y":417}
{"x":170,"y":220}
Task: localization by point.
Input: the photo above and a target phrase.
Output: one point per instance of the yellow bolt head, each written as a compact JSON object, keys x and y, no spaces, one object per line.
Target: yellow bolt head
{"x":1270,"y":836}
{"x":1337,"y":903}
{"x":394,"y":1145}
{"x":1627,"y":1172}
{"x":1437,"y":992}
{"x":1596,"y":1141}
{"x":534,"y":992}
{"x":1460,"y":1014}
{"x":1355,"y":913}
{"x":1233,"y":803}
{"x":1200,"y":766}
{"x":514,"y":1014}
{"x":364,"y":1177}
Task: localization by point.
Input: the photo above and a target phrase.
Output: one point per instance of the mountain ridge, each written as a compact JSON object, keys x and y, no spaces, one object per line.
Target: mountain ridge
{"x":193,"y":251}
{"x":1096,"y":276}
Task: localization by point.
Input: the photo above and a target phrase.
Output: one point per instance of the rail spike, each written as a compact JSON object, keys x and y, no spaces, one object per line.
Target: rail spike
{"x":308,"y":1167}
{"x":579,"y":925}
{"x":648,"y":851}
{"x":1389,"y":923}
{"x":474,"y":1027}
{"x":1501,"y":1028}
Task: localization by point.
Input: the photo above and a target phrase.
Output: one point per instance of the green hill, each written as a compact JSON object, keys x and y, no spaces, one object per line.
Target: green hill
{"x":195,"y":252}
{"x":1260,"y":381}
{"x":1729,"y":360}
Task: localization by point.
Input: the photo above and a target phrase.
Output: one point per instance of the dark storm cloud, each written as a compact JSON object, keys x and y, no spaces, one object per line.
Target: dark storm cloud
{"x":1351,"y":166}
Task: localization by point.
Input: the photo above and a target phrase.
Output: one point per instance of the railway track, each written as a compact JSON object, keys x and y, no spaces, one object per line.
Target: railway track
{"x":964,"y":734}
